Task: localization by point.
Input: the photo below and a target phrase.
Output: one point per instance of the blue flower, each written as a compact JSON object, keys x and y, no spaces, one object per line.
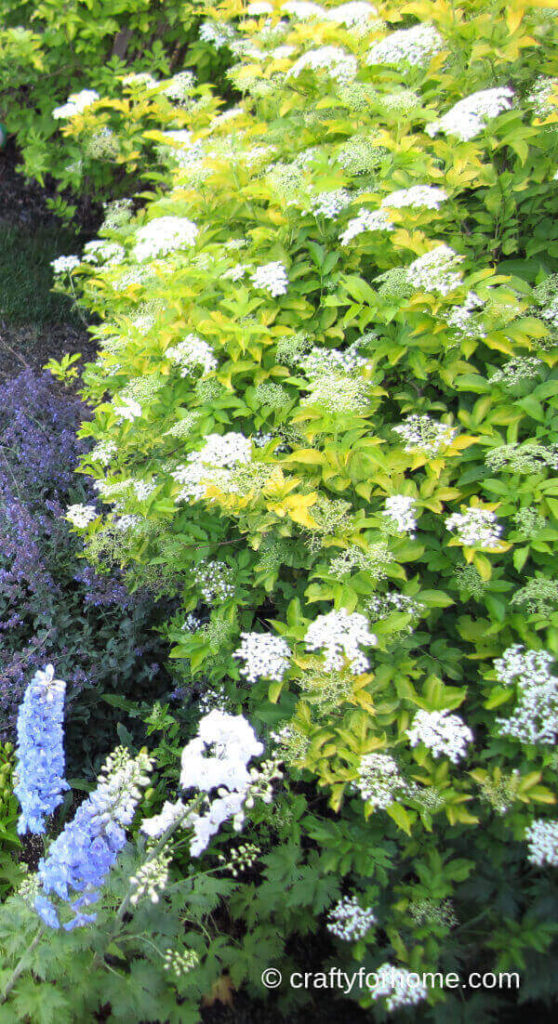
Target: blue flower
{"x":40,"y":750}
{"x":80,"y":859}
{"x":46,"y":912}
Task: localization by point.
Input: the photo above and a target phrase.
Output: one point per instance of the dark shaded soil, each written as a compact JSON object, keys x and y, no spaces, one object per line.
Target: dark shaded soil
{"x":23,"y":347}
{"x":326,"y":1010}
{"x":35,"y":323}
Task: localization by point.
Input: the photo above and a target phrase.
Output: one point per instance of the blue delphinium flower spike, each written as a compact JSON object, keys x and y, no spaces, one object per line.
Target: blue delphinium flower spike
{"x":79,"y":860}
{"x":40,"y":751}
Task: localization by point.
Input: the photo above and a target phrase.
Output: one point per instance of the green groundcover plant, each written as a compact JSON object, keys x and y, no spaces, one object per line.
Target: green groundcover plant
{"x":325,"y":410}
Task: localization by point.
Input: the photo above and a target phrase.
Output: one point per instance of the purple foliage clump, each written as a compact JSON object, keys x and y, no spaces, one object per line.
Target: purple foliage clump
{"x":53,"y":607}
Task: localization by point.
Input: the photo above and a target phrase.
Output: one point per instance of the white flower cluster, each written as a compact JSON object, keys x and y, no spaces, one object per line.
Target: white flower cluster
{"x":339,"y":634}
{"x":124,"y":523}
{"x":272,"y":277}
{"x":192,"y":352}
{"x":517,"y":370}
{"x":178,"y":87}
{"x":184,"y":426}
{"x":120,"y":783}
{"x":476,"y":528}
{"x":189,"y":155}
{"x":550,"y":313}
{"x":430,"y":911}
{"x":424,"y":434}
{"x":379,"y":780}
{"x":543,"y":89}
{"x":214,"y":581}
{"x":462,"y":318}
{"x":322,"y":362}
{"x":356,"y":12}
{"x":29,"y":889}
{"x":100,"y":250}
{"x":361,"y":154}
{"x":265,"y":656}
{"x":398,"y":103}
{"x":140,"y":80}
{"x":219,"y":34}
{"x":155,"y":826}
{"x":400,"y":513}
{"x":237,"y":272}
{"x":349,"y":921}
{"x":129,"y":410}
{"x":162,"y":235}
{"x":76,"y":104}
{"x":151,"y":878}
{"x":379,"y":606}
{"x":103,"y":452}
{"x":542,"y":837}
{"x":435,"y":271}
{"x":441,"y":733}
{"x":416,"y":196}
{"x":291,"y":743}
{"x":414,"y":46}
{"x":129,"y":278}
{"x":333,"y":60}
{"x":191,"y":623}
{"x":468,"y":118}
{"x":103,"y":145}
{"x":224,"y":450}
{"x":81,"y":515}
{"x":219,"y":754}
{"x":220,"y":453}
{"x":217,"y":759}
{"x":65,"y":264}
{"x":261,"y":782}
{"x":144,"y":488}
{"x":257,"y":157}
{"x":528,"y":457}
{"x":330,"y":204}
{"x":535,"y":718}
{"x":398,"y":987}
{"x":338,"y":394}
{"x":303,"y":9}
{"x":280,"y":52}
{"x":366,"y":220}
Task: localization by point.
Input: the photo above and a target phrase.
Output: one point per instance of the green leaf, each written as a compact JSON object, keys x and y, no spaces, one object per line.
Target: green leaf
{"x":400,"y":816}
{"x":41,"y":1003}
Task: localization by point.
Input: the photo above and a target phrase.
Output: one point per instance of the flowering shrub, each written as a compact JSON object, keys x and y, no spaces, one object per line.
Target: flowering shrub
{"x":327,"y":347}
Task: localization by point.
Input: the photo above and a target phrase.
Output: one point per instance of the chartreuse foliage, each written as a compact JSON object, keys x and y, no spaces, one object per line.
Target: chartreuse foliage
{"x":279,"y":287}
{"x":46,"y":50}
